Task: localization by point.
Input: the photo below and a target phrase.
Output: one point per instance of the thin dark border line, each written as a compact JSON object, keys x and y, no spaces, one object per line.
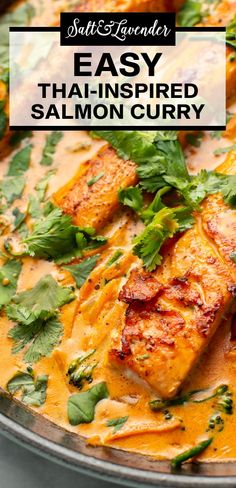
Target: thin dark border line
{"x":122,"y":127}
{"x":58,"y":29}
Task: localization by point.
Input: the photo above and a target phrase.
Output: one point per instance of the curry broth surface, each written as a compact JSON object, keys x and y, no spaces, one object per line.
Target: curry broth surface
{"x":90,"y":320}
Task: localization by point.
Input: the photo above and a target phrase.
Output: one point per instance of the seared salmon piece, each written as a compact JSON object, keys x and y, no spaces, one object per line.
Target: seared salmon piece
{"x":166,"y":330}
{"x":129,"y":5}
{"x":94,"y":203}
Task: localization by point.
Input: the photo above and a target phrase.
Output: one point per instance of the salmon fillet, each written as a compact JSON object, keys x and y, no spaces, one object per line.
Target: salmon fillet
{"x":173,"y":312}
{"x":93,"y":205}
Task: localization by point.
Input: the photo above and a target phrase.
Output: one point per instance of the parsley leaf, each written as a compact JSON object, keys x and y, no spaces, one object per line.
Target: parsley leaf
{"x":36,"y":313}
{"x":20,"y":162}
{"x":33,"y":389}
{"x":50,"y":147}
{"x":81,"y":406}
{"x":117,"y":423}
{"x":9,"y":274}
{"x":81,"y":271}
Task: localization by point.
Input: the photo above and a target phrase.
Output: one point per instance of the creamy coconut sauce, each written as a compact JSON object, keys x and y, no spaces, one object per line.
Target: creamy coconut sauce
{"x":89,"y":321}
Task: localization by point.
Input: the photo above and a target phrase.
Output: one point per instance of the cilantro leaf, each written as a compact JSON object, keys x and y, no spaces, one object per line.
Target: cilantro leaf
{"x":52,"y":236}
{"x":42,"y":185}
{"x":36,"y":313}
{"x":50,"y":147}
{"x":156,"y":153}
{"x":147,"y":245}
{"x":55,"y":237}
{"x":20,"y":162}
{"x":132,"y":197}
{"x":117,"y":423}
{"x":33,"y":390}
{"x":12,"y":188}
{"x":81,"y":271}
{"x":18,"y":136}
{"x":81,"y":406}
{"x":39,"y":302}
{"x":9,"y":274}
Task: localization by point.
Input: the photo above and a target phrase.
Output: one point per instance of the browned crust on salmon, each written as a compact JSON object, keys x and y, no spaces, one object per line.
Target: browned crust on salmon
{"x":94,"y":205}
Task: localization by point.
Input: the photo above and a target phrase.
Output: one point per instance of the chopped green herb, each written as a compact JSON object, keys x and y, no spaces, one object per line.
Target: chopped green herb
{"x":34,"y":208}
{"x":42,"y":185}
{"x":132,"y":197}
{"x":190,"y":453}
{"x":9,"y":274}
{"x":95,"y":179}
{"x":20,"y":162}
{"x":195,"y":139}
{"x":36,"y":313}
{"x":18,"y":136}
{"x":81,"y":406}
{"x":76,"y":362}
{"x":19,"y":217}
{"x":55,"y":237}
{"x":231,"y":33}
{"x":12,"y":188}
{"x":33,"y":389}
{"x":221,"y":394}
{"x":117,"y":254}
{"x":81,"y":271}
{"x":117,"y":423}
{"x":50,"y":147}
{"x":223,"y":150}
{"x":82,"y":375}
{"x":190,"y":14}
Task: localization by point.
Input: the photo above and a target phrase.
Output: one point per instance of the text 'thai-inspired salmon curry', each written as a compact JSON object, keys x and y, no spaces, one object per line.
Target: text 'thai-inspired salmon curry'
{"x":118,"y":267}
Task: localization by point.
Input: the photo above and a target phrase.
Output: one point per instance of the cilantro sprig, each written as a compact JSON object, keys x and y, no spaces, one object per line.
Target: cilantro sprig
{"x":36,"y":313}
{"x":54,"y":237}
{"x":161,"y":168}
